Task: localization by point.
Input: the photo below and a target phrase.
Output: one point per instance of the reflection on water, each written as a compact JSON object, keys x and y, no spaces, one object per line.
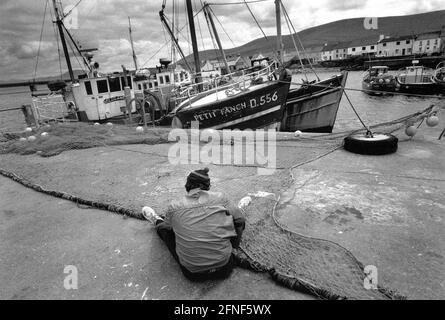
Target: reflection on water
{"x":373,"y":109}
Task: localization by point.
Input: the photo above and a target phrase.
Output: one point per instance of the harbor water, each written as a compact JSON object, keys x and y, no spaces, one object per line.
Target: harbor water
{"x":372,"y":109}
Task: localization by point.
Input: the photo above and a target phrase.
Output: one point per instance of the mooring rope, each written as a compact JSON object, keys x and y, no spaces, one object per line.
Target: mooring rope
{"x":304,"y":84}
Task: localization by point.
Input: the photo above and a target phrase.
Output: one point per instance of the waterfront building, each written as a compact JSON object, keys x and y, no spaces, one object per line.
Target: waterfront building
{"x":395,"y":46}
{"x":428,"y":43}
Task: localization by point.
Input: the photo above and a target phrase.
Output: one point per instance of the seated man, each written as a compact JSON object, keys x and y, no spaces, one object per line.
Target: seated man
{"x":200,"y":229}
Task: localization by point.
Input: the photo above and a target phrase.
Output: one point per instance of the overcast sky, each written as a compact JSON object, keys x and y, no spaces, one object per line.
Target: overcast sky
{"x":104,"y":24}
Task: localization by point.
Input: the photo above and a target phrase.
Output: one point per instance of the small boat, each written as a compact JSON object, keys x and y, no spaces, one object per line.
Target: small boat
{"x":439,"y":76}
{"x":377,"y":81}
{"x":313,"y":107}
{"x":417,"y":80}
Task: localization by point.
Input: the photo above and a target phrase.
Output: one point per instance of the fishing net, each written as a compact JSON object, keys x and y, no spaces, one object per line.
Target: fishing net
{"x":119,"y":169}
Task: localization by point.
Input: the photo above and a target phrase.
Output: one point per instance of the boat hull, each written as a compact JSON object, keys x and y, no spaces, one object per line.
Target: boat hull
{"x":378,"y":89}
{"x":312,"y":108}
{"x":421,"y":89}
{"x":254,"y":109}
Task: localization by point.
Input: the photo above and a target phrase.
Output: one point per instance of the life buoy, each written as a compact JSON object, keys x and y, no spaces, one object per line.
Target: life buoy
{"x":377,"y":144}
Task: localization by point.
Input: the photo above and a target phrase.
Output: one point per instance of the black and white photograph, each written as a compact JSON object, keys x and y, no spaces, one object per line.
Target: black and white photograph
{"x":214,"y":158}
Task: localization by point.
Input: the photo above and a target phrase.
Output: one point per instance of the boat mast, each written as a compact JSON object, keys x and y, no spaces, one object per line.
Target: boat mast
{"x":218,"y":41}
{"x":132,"y":45}
{"x":172,"y":35}
{"x":59,"y":23}
{"x":194,"y":43}
{"x":279,"y":40}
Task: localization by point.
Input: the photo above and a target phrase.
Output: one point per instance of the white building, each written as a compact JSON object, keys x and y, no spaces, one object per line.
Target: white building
{"x":395,"y":46}
{"x":362,"y":47}
{"x":328,"y":52}
{"x":428,"y":43}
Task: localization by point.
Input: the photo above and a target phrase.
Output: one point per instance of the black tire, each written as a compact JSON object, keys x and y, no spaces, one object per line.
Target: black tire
{"x":380,"y":144}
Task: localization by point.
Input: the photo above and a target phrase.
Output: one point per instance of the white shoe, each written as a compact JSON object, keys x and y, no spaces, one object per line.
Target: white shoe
{"x":150,"y":215}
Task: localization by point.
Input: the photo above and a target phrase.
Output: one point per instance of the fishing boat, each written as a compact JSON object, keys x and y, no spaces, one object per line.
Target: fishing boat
{"x":313,"y":107}
{"x":417,"y":80}
{"x":439,"y":76}
{"x":250,"y":100}
{"x":378,"y":81}
{"x":259,"y":100}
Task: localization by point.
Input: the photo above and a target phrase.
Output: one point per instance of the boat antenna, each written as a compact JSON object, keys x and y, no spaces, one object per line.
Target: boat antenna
{"x":59,"y":23}
{"x":194,"y":43}
{"x":208,"y":12}
{"x":132,"y":45}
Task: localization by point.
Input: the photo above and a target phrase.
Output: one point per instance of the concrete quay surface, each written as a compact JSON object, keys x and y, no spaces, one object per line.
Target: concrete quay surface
{"x":388,"y":211}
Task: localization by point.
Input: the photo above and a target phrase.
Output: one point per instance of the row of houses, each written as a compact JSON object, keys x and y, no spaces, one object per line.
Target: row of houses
{"x":382,"y":46}
{"x":430,"y":43}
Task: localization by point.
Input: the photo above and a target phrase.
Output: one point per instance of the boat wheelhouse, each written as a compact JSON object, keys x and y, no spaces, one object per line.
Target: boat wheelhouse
{"x":378,"y":81}
{"x":417,"y":80}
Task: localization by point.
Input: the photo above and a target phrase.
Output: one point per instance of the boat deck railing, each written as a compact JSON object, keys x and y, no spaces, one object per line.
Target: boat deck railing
{"x":52,"y":107}
{"x":191,"y":92}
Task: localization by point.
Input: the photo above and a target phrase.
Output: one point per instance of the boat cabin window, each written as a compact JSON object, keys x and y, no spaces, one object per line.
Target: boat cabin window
{"x":145,"y":86}
{"x":150,"y":85}
{"x":161,"y":80}
{"x":114,"y":84}
{"x":167,"y":79}
{"x":176,"y":77}
{"x":88,"y":88}
{"x":156,"y":84}
{"x":182,"y":77}
{"x":139,"y":87}
{"x":102,"y":86}
{"x":128,"y":80}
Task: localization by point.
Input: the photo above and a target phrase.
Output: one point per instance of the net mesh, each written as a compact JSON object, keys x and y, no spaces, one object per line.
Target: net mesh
{"x":120,"y":169}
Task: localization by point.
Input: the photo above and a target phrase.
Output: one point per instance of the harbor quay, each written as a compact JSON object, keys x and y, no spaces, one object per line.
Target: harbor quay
{"x":388,"y":211}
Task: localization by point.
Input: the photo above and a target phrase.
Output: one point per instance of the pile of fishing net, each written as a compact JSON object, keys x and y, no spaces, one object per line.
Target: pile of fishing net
{"x":319,"y":267}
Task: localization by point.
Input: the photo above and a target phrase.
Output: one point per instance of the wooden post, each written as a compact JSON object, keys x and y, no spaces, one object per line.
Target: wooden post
{"x":127,"y":93}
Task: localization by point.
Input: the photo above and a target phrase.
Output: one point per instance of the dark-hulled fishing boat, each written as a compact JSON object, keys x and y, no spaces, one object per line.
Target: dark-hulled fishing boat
{"x":257,"y":105}
{"x":313,"y":107}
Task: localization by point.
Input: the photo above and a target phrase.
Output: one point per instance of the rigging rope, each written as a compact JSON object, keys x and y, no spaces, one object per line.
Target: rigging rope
{"x":165,"y":44}
{"x":231,"y":3}
{"x":296,"y":48}
{"x":299,"y":40}
{"x":215,"y":47}
{"x":40,"y":41}
{"x":69,"y":12}
{"x":262,"y":31}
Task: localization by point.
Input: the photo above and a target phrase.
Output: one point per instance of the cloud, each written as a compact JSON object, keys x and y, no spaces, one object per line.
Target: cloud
{"x":103,"y":24}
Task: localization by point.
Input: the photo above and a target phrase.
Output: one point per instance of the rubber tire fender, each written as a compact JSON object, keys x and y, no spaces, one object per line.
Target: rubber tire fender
{"x":381,"y":144}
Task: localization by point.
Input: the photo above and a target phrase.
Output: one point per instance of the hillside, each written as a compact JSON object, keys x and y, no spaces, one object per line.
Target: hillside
{"x":342,"y":31}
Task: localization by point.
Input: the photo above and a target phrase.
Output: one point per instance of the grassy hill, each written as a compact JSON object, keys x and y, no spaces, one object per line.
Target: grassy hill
{"x":343,"y":31}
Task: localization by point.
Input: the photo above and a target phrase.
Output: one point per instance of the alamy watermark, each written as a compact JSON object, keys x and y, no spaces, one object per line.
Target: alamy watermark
{"x":71,"y":281}
{"x":371,"y":280}
{"x":71,"y":17}
{"x":371,"y":23}
{"x":226,"y":147}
